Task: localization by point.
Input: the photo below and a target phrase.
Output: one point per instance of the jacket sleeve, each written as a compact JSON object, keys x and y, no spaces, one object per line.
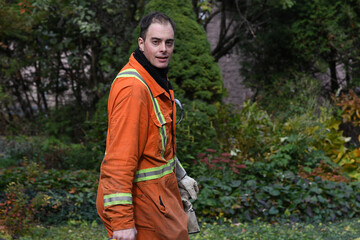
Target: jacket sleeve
{"x":126,"y":139}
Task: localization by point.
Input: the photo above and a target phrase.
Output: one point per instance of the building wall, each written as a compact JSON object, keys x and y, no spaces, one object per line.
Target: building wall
{"x":230,"y":68}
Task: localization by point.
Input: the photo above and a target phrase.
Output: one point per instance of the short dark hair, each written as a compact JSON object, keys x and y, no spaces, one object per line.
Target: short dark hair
{"x":154,"y":17}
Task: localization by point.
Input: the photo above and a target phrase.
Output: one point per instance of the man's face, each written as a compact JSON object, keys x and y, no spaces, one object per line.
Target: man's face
{"x":158,"y":45}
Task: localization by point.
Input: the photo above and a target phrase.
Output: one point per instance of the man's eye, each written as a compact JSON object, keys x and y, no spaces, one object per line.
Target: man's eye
{"x":169,"y":44}
{"x":156,"y":42}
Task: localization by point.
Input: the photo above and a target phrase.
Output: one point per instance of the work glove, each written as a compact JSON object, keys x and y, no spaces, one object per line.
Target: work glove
{"x":190,"y":185}
{"x":193,"y":225}
{"x":184,"y":181}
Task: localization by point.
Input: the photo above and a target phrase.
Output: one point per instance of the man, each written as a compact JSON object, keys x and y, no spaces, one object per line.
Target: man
{"x":138,"y":195}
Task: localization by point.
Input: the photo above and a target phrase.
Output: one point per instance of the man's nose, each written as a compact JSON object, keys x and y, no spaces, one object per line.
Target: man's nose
{"x":163,"y":47}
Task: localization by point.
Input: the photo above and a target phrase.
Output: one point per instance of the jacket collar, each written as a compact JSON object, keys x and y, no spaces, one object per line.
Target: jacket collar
{"x":156,"y":89}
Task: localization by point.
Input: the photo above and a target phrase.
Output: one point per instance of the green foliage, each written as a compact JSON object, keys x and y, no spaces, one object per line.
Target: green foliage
{"x":17,"y":215}
{"x":12,"y":23}
{"x":325,"y":171}
{"x":296,"y":48}
{"x":195,"y":133}
{"x":63,"y":54}
{"x":349,"y":158}
{"x":96,"y":127}
{"x":303,"y":140}
{"x":64,"y":123}
{"x":330,"y":29}
{"x":287,"y":173}
{"x":51,"y":152}
{"x":60,"y":194}
{"x":249,"y":134}
{"x":284,"y":195}
{"x":289,"y":96}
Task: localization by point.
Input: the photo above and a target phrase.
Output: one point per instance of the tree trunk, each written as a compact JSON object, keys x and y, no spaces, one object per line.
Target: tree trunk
{"x":333,"y":74}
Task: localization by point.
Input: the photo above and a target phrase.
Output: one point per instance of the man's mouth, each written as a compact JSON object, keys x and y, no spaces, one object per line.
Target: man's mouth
{"x":162,"y":59}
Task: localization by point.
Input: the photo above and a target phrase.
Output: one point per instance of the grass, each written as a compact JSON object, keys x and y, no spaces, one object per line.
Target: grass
{"x":345,"y":230}
{"x":222,"y":230}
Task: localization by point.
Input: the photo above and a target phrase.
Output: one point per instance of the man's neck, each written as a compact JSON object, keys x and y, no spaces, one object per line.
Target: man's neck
{"x":159,"y":74}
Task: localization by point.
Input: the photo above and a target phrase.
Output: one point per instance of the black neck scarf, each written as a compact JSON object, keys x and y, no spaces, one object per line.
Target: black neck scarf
{"x":159,"y":74}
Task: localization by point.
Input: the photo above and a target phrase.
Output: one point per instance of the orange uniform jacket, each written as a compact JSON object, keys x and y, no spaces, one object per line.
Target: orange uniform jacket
{"x":126,"y":197}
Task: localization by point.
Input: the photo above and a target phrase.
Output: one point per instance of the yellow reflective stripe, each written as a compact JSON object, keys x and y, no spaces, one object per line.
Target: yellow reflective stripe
{"x":117,"y":198}
{"x":155,"y":172}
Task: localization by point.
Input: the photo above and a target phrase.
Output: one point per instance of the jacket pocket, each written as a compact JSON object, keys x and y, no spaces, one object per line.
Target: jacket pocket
{"x":163,"y":133}
{"x":149,"y":206}
{"x":155,"y":196}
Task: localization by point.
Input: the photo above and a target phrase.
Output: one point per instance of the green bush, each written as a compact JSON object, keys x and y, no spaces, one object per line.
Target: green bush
{"x":291,"y":95}
{"x":63,"y":194}
{"x":274,"y":154}
{"x":96,"y":126}
{"x":235,"y":190}
{"x":303,"y":140}
{"x":196,"y":132}
{"x":16,"y":212}
{"x":249,"y":133}
{"x":51,"y":152}
{"x":65,"y":123}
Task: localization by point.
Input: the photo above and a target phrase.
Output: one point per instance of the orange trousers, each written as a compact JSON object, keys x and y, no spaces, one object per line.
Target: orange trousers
{"x":158,"y":210}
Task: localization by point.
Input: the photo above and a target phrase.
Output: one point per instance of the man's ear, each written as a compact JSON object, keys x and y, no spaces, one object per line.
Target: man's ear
{"x":141,"y":43}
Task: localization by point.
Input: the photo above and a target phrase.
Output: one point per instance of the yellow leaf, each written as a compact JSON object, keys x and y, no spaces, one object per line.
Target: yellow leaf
{"x":346,"y":161}
{"x":356,"y":152}
{"x":357,"y":113}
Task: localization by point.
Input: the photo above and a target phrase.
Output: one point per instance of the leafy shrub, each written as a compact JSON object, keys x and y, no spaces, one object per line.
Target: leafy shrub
{"x":195,"y":133}
{"x":349,"y":158}
{"x":254,"y":137}
{"x":325,"y":171}
{"x":63,"y":194}
{"x":96,"y":126}
{"x":250,"y":133}
{"x":16,"y":213}
{"x":246,"y":195}
{"x":217,"y":175}
{"x":291,"y":95}
{"x":51,"y":152}
{"x":65,"y":123}
{"x":301,"y":141}
{"x":350,"y":106}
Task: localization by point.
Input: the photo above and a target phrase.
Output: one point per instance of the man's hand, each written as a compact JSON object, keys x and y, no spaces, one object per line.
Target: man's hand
{"x":190,"y":185}
{"x":126,"y":234}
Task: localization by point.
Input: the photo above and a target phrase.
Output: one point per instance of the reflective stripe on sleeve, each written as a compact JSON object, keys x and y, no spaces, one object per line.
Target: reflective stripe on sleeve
{"x":155,"y":172}
{"x":117,"y":198}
